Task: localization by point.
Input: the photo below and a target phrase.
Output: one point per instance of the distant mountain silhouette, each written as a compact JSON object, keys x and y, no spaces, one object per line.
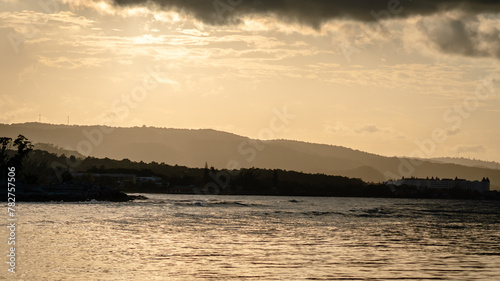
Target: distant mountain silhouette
{"x":193,"y":148}
{"x":468,"y":162}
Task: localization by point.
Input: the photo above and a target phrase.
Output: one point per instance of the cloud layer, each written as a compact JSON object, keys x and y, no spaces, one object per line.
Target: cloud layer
{"x":462,"y":27}
{"x":315,"y":12}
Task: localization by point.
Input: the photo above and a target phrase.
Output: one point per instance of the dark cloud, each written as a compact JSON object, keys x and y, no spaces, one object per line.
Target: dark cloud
{"x":463,"y":36}
{"x":452,"y":37}
{"x":315,"y":12}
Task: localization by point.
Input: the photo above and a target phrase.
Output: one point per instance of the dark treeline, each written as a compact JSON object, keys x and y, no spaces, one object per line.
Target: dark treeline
{"x":44,"y":168}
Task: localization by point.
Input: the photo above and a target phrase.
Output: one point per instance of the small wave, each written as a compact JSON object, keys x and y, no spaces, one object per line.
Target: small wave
{"x":375,"y":212}
{"x":216,"y":204}
{"x":318,"y":213}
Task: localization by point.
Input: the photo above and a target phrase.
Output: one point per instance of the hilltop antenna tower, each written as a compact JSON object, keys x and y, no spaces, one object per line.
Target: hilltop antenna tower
{"x":39,"y":118}
{"x":68,"y":120}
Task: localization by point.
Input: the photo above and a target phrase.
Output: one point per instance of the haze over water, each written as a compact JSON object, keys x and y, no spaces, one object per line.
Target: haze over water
{"x":188,"y":237}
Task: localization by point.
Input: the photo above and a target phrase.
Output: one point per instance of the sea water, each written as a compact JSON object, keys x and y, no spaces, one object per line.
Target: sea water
{"x":194,"y":237}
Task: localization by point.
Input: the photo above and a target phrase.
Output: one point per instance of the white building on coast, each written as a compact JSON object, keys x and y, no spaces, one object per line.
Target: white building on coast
{"x":436,"y":183}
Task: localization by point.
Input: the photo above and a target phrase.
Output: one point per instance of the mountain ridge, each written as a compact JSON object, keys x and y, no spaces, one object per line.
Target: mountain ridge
{"x":195,"y":147}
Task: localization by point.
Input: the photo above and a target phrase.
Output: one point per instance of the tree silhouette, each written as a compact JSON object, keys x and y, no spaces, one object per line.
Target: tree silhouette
{"x":24,"y":147}
{"x":4,"y":147}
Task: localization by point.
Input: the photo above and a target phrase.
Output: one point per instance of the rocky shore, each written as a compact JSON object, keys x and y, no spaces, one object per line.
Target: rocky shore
{"x":70,"y":193}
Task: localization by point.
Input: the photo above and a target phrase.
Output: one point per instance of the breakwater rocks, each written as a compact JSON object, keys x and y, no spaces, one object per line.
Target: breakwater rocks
{"x":71,"y":193}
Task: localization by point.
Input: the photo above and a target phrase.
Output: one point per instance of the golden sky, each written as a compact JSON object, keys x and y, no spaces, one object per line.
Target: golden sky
{"x":391,"y":79}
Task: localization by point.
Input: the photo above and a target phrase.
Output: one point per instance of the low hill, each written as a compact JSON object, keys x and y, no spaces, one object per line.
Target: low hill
{"x":468,"y":162}
{"x":193,"y":148}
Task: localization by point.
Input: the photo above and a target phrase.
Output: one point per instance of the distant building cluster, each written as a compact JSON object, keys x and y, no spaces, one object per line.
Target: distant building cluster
{"x":436,"y":183}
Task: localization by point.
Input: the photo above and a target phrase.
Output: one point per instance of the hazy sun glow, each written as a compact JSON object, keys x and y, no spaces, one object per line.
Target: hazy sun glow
{"x":384,"y":87}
